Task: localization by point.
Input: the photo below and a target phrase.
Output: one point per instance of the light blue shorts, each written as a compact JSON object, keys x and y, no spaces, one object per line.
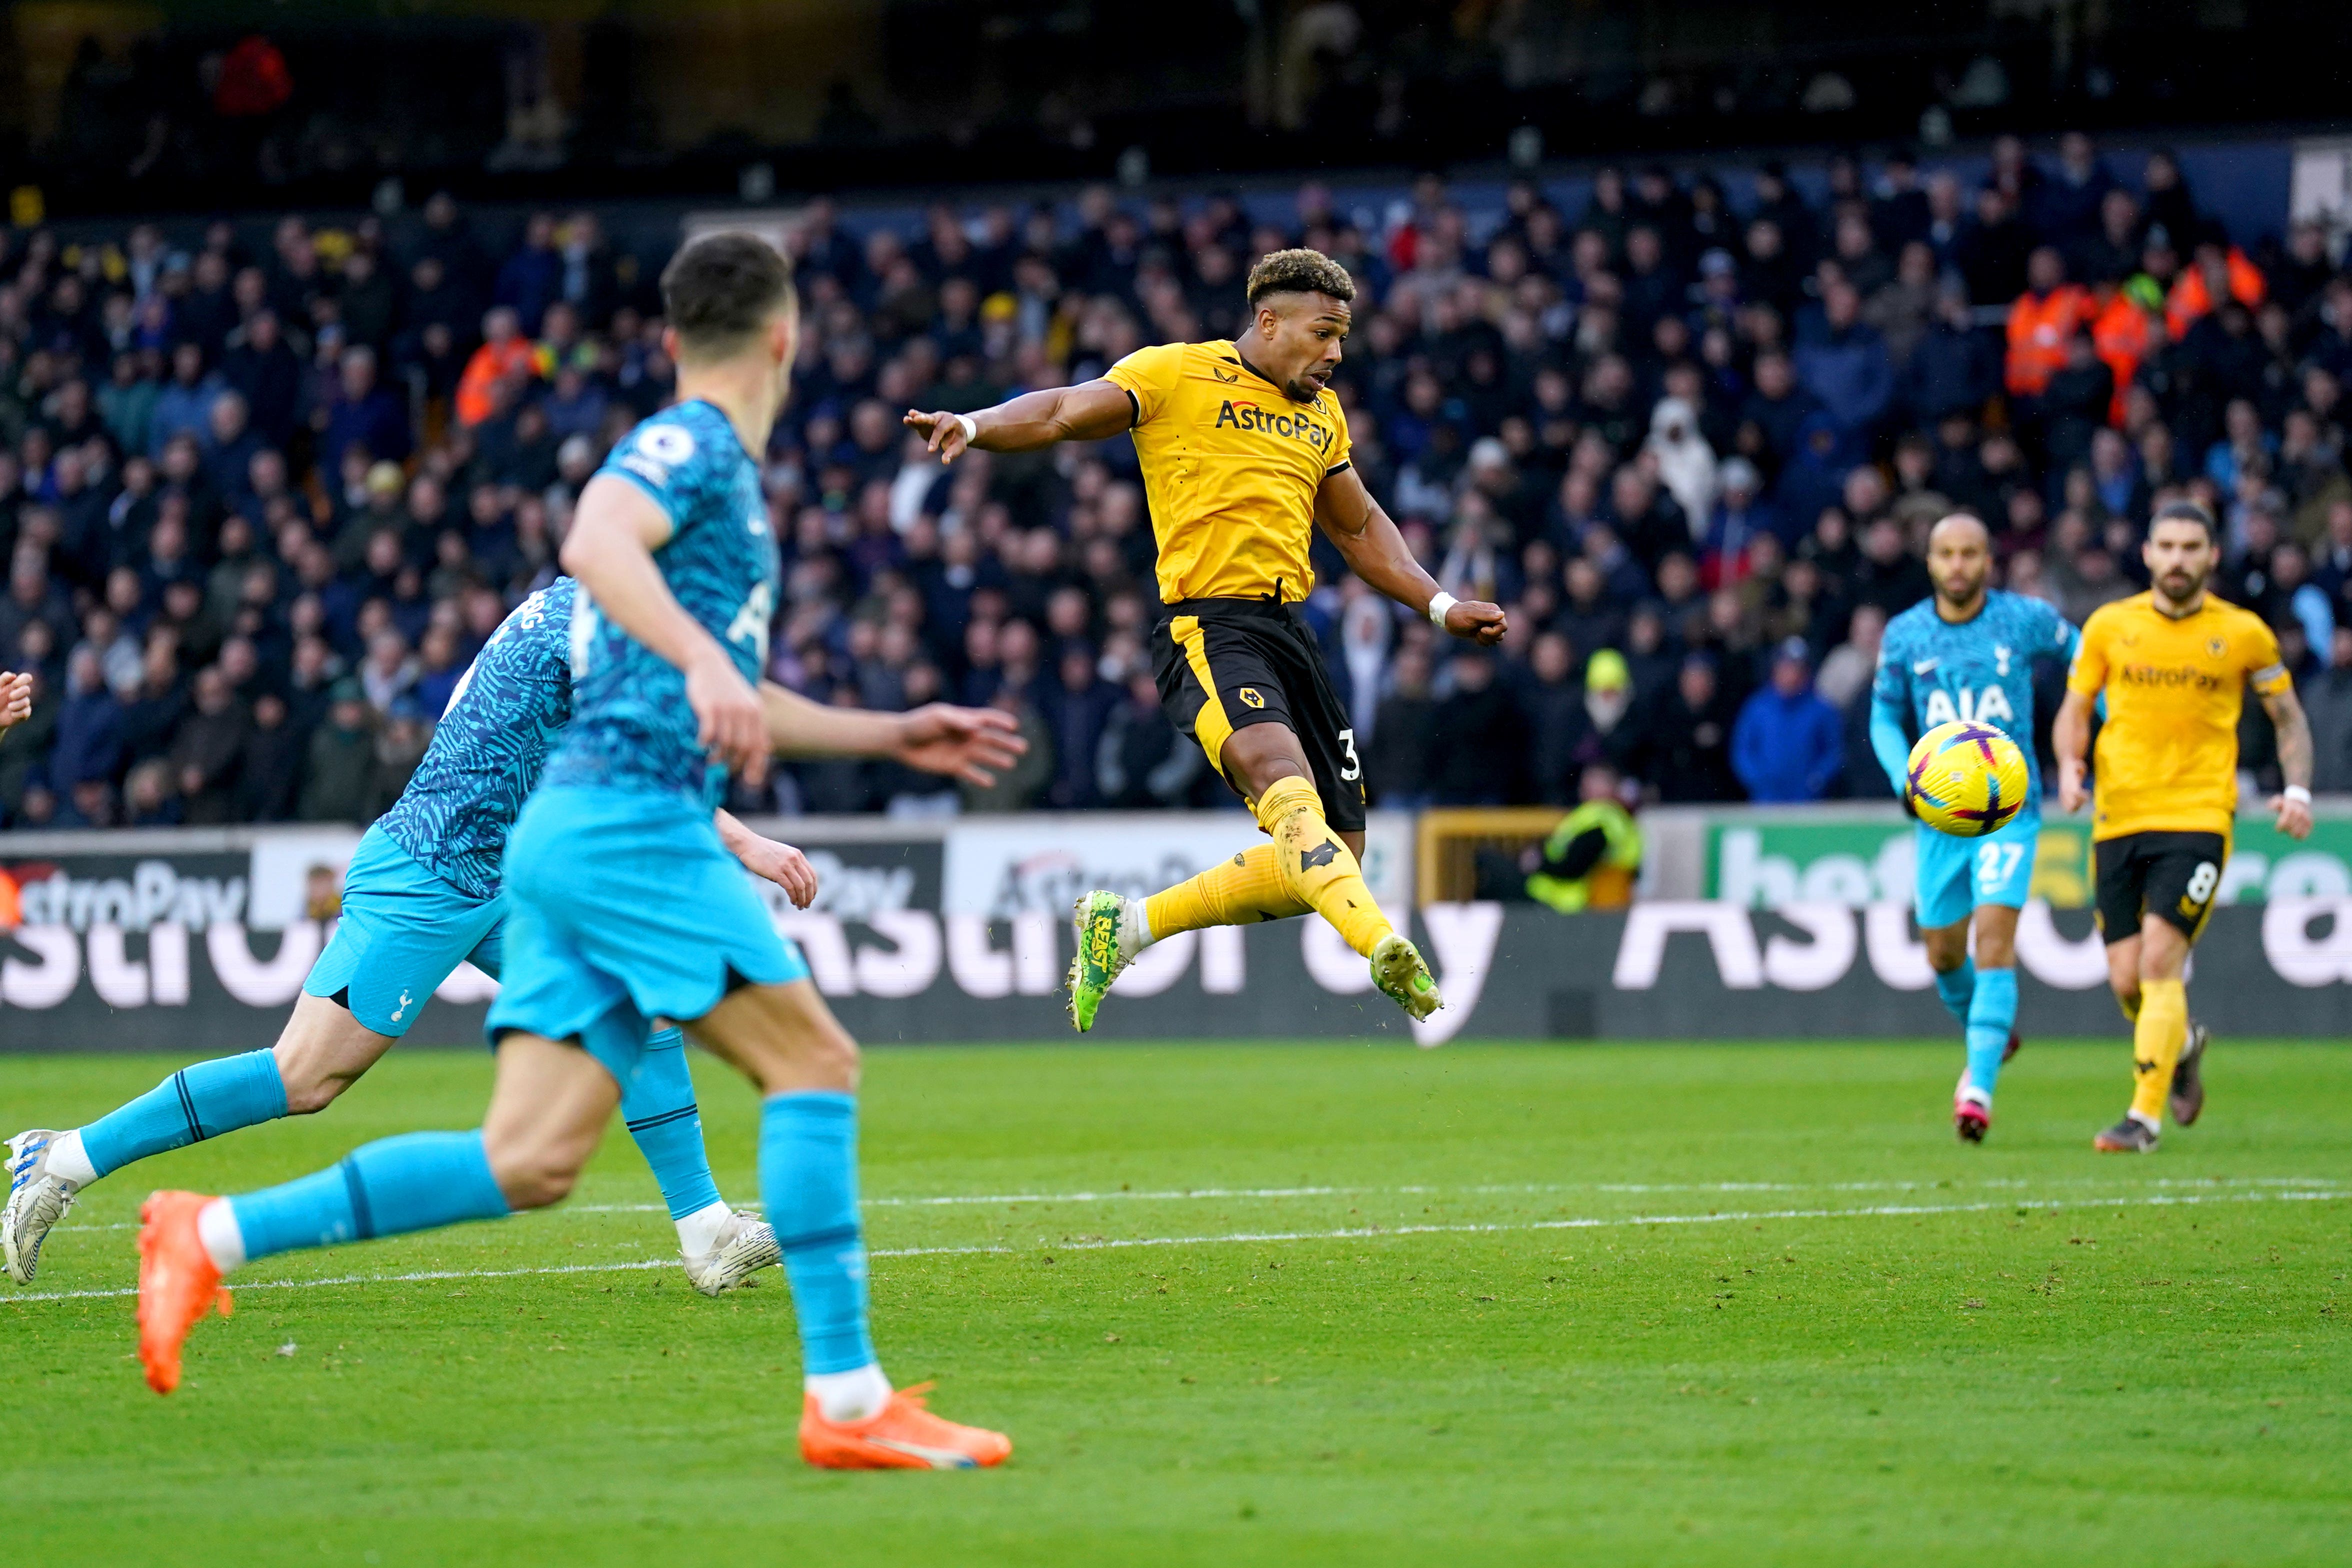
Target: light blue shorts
{"x":622,"y":906}
{"x":1956,"y":875}
{"x":403,"y":932}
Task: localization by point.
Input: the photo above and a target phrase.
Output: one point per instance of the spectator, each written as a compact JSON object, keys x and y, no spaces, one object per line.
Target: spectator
{"x":494,"y":376}
{"x":1686,"y":739}
{"x":2042,"y":322}
{"x":1476,"y":737}
{"x":1018,"y":787}
{"x":1788,"y":744}
{"x":269,"y":767}
{"x":339,"y":774}
{"x":206,"y":753}
{"x":360,"y":414}
{"x":1686,"y":463}
{"x":1142,"y":762}
{"x":1842,"y":360}
{"x":184,"y":406}
{"x":1847,"y":673}
{"x":1398,"y":767}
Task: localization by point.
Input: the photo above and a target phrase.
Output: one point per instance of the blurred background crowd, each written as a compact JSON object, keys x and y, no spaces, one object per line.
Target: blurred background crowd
{"x":265,"y":491}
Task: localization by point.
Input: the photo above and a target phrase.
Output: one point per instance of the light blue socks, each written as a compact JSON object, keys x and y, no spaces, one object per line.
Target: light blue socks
{"x":659,"y":1106}
{"x":1991,"y":1015}
{"x":1957,"y":987}
{"x":808,"y":1178}
{"x":192,"y":1105}
{"x":415,"y":1182}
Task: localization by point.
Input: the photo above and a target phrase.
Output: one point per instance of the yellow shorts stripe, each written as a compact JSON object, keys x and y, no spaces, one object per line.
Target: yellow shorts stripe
{"x":1210,"y":726}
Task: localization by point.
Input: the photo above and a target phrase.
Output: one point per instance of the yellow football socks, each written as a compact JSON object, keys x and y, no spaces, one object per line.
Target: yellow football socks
{"x":2157,"y":1038}
{"x":2130,"y":1006}
{"x":1315,"y":868}
{"x":1239,"y":890}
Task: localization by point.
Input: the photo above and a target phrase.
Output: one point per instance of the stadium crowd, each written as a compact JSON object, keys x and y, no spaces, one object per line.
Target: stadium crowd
{"x":259,"y":507}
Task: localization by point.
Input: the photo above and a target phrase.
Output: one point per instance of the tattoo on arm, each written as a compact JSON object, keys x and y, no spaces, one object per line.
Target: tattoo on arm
{"x":2295,"y":748}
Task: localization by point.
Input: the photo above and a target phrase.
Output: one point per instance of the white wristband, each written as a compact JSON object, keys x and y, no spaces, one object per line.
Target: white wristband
{"x":1438,"y":605}
{"x":971,"y":428}
{"x":2297,"y":793}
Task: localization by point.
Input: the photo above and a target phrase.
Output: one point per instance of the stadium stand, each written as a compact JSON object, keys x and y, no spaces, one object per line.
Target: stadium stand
{"x":264,"y":490}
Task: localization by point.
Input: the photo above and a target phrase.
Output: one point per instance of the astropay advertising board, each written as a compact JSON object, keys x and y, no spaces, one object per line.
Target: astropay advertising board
{"x":197,"y":944}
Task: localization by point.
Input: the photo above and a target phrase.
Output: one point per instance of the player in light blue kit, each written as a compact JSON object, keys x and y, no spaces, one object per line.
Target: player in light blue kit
{"x":421,"y":897}
{"x":625,"y":907}
{"x":1969,"y":653}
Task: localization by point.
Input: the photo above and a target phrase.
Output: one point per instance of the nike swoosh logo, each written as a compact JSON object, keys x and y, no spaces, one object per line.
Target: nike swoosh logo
{"x":1923,"y":666}
{"x":937,"y":1459}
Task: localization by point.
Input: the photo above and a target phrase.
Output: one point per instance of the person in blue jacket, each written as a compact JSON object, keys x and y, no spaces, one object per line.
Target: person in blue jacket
{"x":1788,"y":742}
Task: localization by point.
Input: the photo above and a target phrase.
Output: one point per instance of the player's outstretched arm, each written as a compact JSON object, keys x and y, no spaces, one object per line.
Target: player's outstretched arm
{"x":958,"y":743}
{"x":1090,"y":411}
{"x":2292,"y":805}
{"x":1369,"y":541}
{"x":2069,"y":737}
{"x":15,"y":699}
{"x":610,"y":551}
{"x":770,"y":861}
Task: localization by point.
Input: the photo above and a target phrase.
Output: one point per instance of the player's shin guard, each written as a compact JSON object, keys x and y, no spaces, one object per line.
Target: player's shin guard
{"x":195,"y":1104}
{"x":808,"y":1179}
{"x":2157,"y":1038}
{"x":417,"y":1181}
{"x":1318,"y":868}
{"x":1240,"y":889}
{"x":659,"y":1106}
{"x":1992,"y":1013}
{"x":1956,"y":989}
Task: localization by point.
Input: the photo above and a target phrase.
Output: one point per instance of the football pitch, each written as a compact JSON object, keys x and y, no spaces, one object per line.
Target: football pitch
{"x":1276,"y":1304}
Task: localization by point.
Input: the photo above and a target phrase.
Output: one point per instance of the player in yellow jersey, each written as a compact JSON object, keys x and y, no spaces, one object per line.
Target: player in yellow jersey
{"x":1245,"y":453}
{"x":2174,"y":664}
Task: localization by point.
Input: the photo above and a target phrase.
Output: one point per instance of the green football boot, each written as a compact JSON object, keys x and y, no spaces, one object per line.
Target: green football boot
{"x":1109,"y":932}
{"x":1403,"y":978}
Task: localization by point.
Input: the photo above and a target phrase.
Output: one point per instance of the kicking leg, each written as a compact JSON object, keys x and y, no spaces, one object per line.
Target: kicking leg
{"x":322,"y":1052}
{"x":547,"y":1115}
{"x":722,"y":1248}
{"x":787,"y":1042}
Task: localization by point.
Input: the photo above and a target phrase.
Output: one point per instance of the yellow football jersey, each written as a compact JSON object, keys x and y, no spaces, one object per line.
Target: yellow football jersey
{"x":2167,"y":755}
{"x":1230,"y":466}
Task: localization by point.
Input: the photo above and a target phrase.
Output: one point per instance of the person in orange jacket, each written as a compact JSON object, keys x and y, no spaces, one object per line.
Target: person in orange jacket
{"x":505,"y":353}
{"x":2216,"y":275}
{"x":2044,"y":317}
{"x":2121,"y":319}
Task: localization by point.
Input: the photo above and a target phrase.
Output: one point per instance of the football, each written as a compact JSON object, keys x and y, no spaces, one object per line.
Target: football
{"x":1966,"y":779}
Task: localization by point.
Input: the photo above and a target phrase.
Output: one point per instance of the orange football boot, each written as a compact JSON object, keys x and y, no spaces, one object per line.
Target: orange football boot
{"x":177,"y":1283}
{"x":904,"y":1436}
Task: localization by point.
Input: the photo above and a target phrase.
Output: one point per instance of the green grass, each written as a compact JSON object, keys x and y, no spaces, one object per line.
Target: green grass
{"x":2042,"y":1364}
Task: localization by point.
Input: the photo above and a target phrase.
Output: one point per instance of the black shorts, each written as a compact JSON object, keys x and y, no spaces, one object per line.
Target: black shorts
{"x":1226,"y":664}
{"x":2173,"y":875}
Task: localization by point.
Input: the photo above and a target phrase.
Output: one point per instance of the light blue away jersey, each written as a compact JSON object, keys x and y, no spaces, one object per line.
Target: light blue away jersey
{"x":487,"y":754}
{"x":1933,"y":672}
{"x":631,"y":727}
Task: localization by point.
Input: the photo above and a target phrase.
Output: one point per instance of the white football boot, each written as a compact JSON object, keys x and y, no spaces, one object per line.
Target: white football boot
{"x":36,"y":1200}
{"x":745,"y":1246}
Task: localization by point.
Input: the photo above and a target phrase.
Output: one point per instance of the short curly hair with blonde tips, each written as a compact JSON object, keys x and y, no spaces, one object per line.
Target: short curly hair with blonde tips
{"x":1299,"y":272}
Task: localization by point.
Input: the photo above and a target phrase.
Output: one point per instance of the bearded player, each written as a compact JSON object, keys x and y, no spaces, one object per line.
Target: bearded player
{"x":2173,"y":665}
{"x":1969,"y":654}
{"x":1245,"y":453}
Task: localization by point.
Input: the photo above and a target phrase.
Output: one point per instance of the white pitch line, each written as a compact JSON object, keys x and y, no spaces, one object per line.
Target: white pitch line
{"x":1176,"y":1195}
{"x":1356,"y":1233}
